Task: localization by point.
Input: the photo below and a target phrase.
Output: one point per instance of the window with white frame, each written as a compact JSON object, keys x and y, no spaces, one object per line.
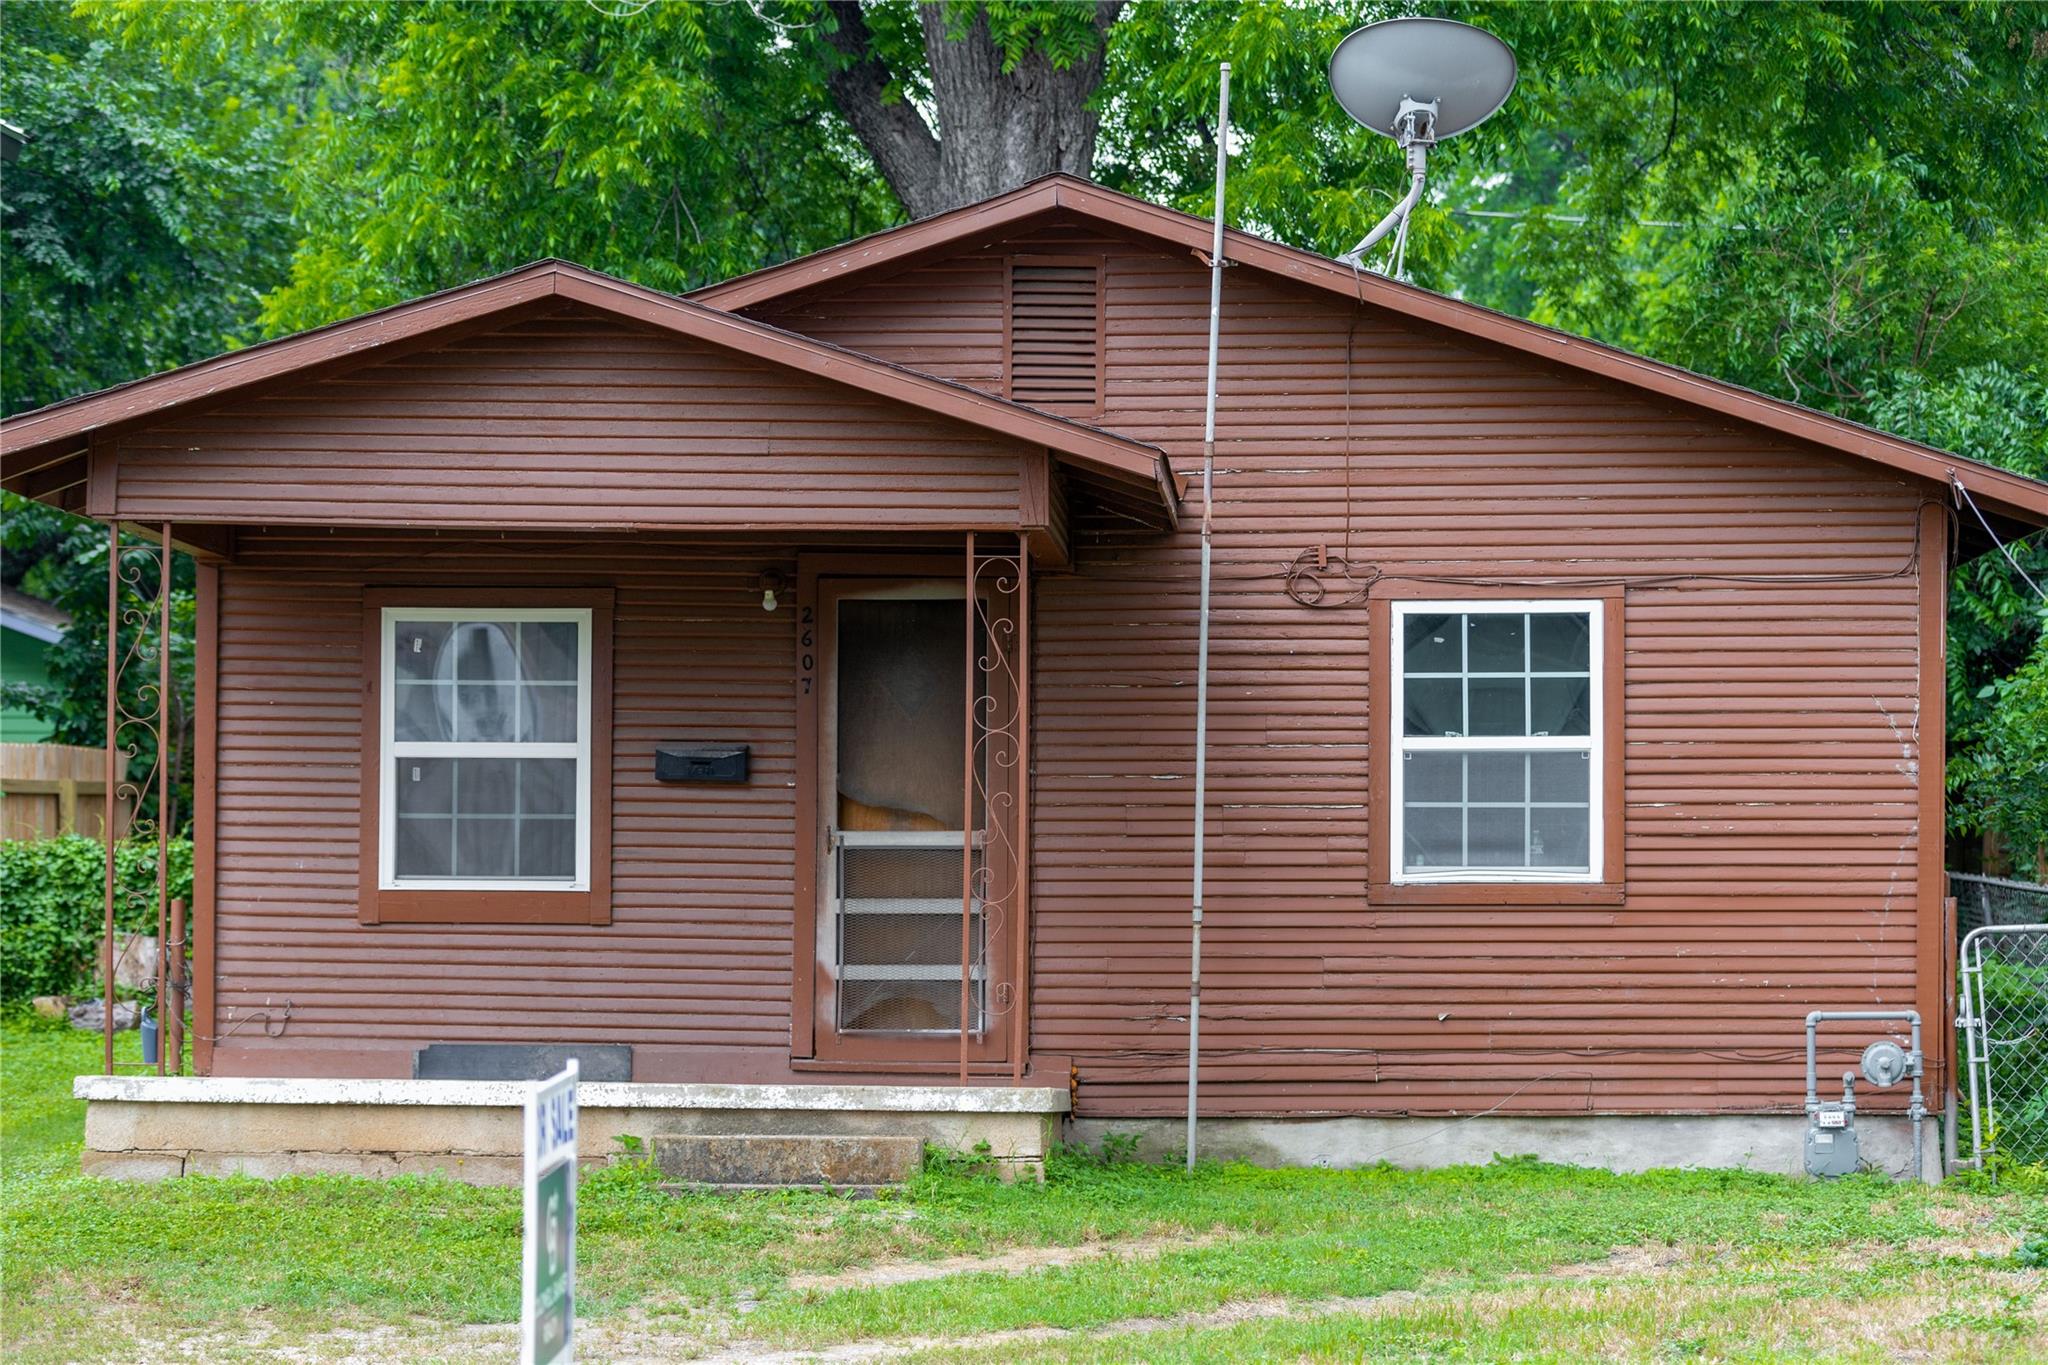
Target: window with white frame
{"x":1498,"y":709}
{"x":486,"y":749}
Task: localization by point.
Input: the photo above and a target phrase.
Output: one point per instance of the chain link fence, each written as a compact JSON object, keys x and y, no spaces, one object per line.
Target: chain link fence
{"x":2002,"y":1015}
{"x":1996,"y":900}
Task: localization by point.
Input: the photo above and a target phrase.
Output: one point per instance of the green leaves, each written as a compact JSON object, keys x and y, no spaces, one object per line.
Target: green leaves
{"x":1063,"y":30}
{"x":52,"y":906}
{"x":61,"y":559}
{"x":1998,"y":627}
{"x":143,"y":219}
{"x":672,"y":145}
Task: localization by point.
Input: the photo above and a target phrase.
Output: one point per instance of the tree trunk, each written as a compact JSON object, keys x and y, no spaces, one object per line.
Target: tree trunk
{"x":996,"y":129}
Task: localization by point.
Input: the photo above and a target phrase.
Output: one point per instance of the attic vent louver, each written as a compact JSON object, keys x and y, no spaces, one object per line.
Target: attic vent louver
{"x":1055,"y":341}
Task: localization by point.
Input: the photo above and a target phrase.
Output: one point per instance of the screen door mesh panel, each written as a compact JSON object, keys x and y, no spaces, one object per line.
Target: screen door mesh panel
{"x":899,"y":935}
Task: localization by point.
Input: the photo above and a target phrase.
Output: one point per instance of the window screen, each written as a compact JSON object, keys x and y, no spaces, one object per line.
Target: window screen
{"x":486,"y":748}
{"x":1499,"y":740}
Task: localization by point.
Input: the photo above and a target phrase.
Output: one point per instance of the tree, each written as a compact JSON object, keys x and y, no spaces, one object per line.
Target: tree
{"x":143,"y":220}
{"x":1010,"y":86}
{"x":1622,"y":112}
{"x":1999,"y":783}
{"x":1825,"y":284}
{"x":672,"y":144}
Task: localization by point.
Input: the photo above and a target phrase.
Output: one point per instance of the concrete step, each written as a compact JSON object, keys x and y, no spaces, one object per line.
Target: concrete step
{"x":788,"y":1160}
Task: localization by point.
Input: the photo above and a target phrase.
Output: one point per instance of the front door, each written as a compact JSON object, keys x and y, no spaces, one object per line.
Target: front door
{"x":910,"y":947}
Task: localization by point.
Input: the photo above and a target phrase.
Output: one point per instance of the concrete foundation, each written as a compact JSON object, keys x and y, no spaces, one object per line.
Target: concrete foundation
{"x":768,"y":1160}
{"x":1617,"y":1142}
{"x":156,"y":1128}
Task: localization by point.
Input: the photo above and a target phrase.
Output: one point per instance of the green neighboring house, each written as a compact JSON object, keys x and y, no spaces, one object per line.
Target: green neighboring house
{"x":28,"y":627}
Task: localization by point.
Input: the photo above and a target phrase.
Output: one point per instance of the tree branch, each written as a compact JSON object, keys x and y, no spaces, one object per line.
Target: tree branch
{"x":903,"y":145}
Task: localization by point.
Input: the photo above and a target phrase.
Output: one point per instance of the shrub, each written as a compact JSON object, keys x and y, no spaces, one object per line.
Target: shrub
{"x":52,"y":903}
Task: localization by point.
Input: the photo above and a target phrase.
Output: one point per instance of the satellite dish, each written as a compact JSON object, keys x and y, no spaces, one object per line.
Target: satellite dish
{"x":1418,"y":81}
{"x":1465,"y":71}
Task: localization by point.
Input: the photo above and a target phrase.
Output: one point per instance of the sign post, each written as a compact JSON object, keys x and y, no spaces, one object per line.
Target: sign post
{"x":548,"y":1266}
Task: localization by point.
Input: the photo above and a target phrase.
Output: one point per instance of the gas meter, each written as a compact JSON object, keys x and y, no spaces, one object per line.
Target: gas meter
{"x":1831,"y":1135}
{"x":1832,"y":1148}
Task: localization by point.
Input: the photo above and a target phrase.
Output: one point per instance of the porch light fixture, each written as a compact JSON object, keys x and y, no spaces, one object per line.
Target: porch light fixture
{"x":771,"y":583}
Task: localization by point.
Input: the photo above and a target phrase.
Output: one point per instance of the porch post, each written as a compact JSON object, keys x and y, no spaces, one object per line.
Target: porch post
{"x":967,"y":826}
{"x":1020,"y":1031}
{"x":110,"y":796}
{"x":165,"y":1031}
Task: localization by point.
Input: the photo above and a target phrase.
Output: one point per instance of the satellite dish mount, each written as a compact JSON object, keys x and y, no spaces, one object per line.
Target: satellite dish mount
{"x":1415,"y":81}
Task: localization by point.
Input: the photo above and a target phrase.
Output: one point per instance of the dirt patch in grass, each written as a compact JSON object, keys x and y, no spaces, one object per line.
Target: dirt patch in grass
{"x":1017,"y":1260}
{"x":1623,"y":1261}
{"x":1641,"y":1260}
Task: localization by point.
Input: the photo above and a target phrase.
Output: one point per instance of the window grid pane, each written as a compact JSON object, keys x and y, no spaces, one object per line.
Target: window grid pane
{"x":486,"y":817}
{"x":1513,"y":809}
{"x":1491,"y":794}
{"x":1479,"y":697}
{"x":496,"y":688}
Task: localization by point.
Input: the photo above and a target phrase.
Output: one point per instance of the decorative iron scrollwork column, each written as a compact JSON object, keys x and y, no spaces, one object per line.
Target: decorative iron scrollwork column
{"x":139,"y":652}
{"x":995,"y":867}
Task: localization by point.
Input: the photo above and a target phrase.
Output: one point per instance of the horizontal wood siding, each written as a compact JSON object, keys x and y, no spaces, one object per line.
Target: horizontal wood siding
{"x":571,"y":420}
{"x":695,"y":966}
{"x":1772,"y":755}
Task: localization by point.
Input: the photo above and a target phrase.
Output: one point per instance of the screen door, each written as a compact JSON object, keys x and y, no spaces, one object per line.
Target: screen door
{"x":896,"y":786}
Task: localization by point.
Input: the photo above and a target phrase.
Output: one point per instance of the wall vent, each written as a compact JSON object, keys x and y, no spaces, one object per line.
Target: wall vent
{"x":1055,"y":333}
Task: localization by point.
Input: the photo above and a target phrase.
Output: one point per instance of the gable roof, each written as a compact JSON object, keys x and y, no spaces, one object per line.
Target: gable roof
{"x":2000,"y":491}
{"x":38,"y":448}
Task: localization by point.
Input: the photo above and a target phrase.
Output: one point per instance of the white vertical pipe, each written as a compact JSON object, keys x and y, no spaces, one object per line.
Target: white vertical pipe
{"x":1202,"y":637}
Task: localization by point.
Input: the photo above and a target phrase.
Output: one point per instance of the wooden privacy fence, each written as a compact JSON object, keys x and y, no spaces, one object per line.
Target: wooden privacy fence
{"x":52,"y":789}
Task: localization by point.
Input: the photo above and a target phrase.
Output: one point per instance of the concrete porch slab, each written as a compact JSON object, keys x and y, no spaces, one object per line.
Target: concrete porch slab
{"x":157,"y":1127}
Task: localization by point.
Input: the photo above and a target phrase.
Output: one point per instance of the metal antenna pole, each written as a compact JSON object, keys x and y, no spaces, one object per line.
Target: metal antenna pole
{"x":1202,"y":637}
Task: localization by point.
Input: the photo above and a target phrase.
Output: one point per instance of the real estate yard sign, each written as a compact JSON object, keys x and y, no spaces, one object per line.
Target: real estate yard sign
{"x":548,"y":1269}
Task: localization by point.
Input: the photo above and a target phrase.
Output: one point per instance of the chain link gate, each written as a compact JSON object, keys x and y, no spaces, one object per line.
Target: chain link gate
{"x":2002,"y":1013}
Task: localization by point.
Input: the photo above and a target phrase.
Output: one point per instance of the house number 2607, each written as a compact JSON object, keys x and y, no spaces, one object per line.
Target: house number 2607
{"x":807,"y":663}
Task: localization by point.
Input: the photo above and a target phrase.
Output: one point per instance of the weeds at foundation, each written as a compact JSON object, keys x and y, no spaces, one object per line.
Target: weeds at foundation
{"x":976,"y":1163}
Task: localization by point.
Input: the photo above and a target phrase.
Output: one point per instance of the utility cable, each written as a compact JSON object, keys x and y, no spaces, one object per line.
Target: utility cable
{"x":1963,"y":496}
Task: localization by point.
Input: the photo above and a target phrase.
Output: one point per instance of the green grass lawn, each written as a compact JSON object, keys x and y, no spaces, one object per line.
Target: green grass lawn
{"x":1104,"y":1262}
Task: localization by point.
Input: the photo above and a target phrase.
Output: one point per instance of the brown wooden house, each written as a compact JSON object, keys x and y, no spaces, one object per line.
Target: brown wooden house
{"x":782,"y":697}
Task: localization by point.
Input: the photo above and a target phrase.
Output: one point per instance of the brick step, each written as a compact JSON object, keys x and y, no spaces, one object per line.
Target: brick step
{"x":787,"y":1160}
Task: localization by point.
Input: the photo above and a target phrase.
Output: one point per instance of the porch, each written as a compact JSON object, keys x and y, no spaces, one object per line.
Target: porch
{"x":825,"y":901}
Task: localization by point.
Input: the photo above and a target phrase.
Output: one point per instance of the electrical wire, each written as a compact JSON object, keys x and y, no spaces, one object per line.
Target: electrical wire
{"x":1963,"y":496}
{"x":1317,"y":577}
{"x":254,"y":1015}
{"x":1310,"y":586}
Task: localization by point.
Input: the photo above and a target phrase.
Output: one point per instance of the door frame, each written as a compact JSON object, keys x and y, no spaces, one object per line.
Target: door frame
{"x":813,"y":1034}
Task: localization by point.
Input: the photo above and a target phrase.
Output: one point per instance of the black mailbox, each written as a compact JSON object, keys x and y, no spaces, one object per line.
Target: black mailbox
{"x":700,"y":762}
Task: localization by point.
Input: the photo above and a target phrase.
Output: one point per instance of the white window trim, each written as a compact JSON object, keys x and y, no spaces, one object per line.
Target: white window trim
{"x":1593,"y":744}
{"x":389,"y":750}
